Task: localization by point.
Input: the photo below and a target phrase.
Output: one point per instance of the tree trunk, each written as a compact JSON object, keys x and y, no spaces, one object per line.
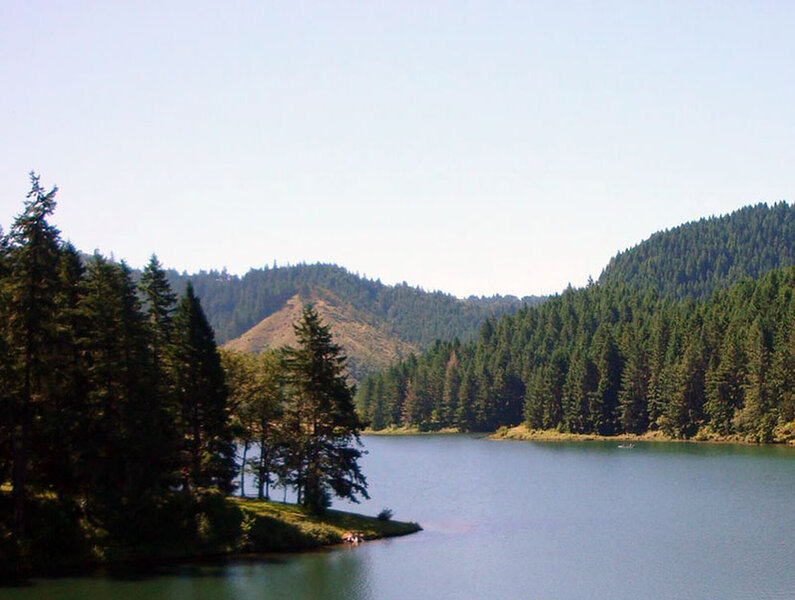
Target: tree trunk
{"x":243,"y":471}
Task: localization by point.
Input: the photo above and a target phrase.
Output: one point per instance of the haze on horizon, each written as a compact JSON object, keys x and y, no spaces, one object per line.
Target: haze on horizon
{"x":474,"y":148}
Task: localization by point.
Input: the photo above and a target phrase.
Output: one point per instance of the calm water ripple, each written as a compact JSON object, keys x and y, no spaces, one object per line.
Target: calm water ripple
{"x":517,"y":520}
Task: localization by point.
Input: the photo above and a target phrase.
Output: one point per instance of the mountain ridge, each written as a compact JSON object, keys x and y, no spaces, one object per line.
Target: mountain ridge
{"x":369,"y":345}
{"x":695,"y":258}
{"x":708,"y":353}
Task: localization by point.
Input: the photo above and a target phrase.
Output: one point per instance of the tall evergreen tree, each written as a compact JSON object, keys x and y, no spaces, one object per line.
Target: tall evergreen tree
{"x":724,"y":383}
{"x":452,"y":383}
{"x":581,"y":382}
{"x":161,"y":304}
{"x":7,"y":399}
{"x":32,"y":285}
{"x":757,"y":417}
{"x":267,"y":412}
{"x":322,"y":417}
{"x":604,"y":406}
{"x":207,"y":453}
{"x":633,"y":417}
{"x":60,"y":426}
{"x":124,"y":448}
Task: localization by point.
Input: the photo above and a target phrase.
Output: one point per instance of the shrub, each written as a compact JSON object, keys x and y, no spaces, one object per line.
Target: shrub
{"x":385,"y":515}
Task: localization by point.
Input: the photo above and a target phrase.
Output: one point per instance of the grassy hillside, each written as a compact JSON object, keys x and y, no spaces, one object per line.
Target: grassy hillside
{"x":236,"y":304}
{"x":368,"y":341}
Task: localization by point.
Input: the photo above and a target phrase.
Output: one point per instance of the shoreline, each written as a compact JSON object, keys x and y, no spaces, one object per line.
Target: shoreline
{"x":411,"y":430}
{"x":524,"y":433}
{"x":246,"y":529}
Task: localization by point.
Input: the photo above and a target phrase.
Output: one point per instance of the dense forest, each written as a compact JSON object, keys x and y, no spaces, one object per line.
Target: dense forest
{"x":120,"y":419}
{"x":695,"y":259}
{"x":615,"y":357}
{"x":235,"y":304}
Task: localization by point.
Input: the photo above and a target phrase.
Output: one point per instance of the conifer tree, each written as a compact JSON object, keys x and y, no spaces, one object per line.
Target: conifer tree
{"x":757,"y":417}
{"x":256,"y":401}
{"x":124,"y":444}
{"x":321,"y":416}
{"x":32,"y":285}
{"x":452,"y":383}
{"x":6,"y":367}
{"x":60,"y":426}
{"x":604,"y":405}
{"x":724,"y":383}
{"x":632,"y":394}
{"x":161,"y":304}
{"x":207,"y":455}
{"x":378,"y":413}
{"x":784,"y":366}
{"x":267,"y":410}
{"x":467,"y":391}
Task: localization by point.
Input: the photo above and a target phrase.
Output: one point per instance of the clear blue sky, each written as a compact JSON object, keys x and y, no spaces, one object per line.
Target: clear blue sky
{"x":472,"y":147}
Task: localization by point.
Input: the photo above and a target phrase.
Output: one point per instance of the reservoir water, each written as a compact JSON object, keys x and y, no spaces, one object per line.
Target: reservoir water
{"x":519,"y":520}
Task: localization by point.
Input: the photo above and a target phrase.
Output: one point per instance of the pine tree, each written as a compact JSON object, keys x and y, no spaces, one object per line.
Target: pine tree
{"x":784,"y":366}
{"x":724,"y":384}
{"x":321,"y":414}
{"x":684,"y":414}
{"x":6,"y":367}
{"x":632,"y":394}
{"x":581,"y":382}
{"x":207,"y":453}
{"x":256,"y":401}
{"x":161,"y":304}
{"x":604,"y":405}
{"x":32,"y":285}
{"x":465,"y":413}
{"x":124,"y":447}
{"x":60,"y":427}
{"x":378,"y":413}
{"x":267,"y":410}
{"x":452,"y":383}
{"x":757,"y":417}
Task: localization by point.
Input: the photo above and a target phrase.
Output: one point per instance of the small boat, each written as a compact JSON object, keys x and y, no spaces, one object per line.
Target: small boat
{"x":626,"y":446}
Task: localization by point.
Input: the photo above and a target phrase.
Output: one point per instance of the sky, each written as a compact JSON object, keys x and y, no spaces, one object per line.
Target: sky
{"x":476,"y":148}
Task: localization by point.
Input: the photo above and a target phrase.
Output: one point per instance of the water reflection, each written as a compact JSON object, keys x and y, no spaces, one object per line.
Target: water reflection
{"x":339,"y":574}
{"x":527,"y":520}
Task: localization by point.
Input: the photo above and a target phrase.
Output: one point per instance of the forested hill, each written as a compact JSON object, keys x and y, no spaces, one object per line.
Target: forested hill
{"x":608,"y":360}
{"x":691,"y":333}
{"x":236,"y":304}
{"x":368,"y":342}
{"x":693,"y":260}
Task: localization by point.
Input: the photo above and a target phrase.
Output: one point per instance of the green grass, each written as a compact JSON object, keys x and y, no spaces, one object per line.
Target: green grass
{"x":410,"y":430}
{"x":783,"y":434}
{"x":182,"y":527}
{"x":274,"y":526}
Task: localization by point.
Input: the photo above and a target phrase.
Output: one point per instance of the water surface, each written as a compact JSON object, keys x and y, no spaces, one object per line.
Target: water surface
{"x":521,"y":520}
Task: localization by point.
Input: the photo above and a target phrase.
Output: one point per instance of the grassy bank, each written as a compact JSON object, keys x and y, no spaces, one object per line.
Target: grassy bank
{"x":185,"y":527}
{"x":276,"y":527}
{"x":523,"y":432}
{"x":783,"y":435}
{"x":410,"y":430}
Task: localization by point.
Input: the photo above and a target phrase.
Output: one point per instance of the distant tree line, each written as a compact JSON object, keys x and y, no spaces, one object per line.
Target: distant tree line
{"x":610,"y":359}
{"x":114,"y":400}
{"x":695,"y":259}
{"x":235,"y":304}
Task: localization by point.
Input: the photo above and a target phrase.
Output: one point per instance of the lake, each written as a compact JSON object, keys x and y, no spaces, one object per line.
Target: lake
{"x":522,"y":520}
